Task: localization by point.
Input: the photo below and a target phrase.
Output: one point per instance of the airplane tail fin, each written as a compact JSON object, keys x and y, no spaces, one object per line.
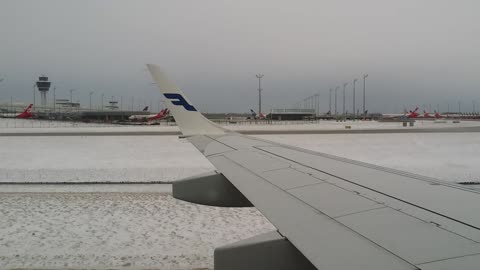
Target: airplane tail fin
{"x":145,"y":109}
{"x":189,"y":120}
{"x":162,"y":112}
{"x":28,"y":109}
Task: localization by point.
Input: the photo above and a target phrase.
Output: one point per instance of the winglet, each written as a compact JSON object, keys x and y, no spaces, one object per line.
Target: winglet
{"x":189,"y":120}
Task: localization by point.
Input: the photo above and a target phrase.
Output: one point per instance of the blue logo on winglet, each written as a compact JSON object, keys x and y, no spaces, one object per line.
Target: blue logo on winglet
{"x":179,"y":100}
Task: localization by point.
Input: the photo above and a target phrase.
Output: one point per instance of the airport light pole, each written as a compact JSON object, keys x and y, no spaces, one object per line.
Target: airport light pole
{"x":71,"y":96}
{"x":90,"y":96}
{"x":54,"y":98}
{"x":102,"y":101}
{"x":336,"y":88}
{"x":330,"y":102}
{"x":259,"y":76}
{"x":459,"y":107}
{"x":317,"y":104}
{"x":34,"y":95}
{"x":364,"y":109}
{"x":354,"y":111}
{"x":344,"y":86}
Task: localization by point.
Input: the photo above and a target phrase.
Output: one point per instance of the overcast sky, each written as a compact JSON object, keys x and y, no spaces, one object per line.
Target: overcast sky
{"x":415,"y":51}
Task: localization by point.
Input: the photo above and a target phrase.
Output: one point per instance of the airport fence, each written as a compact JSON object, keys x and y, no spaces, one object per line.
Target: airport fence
{"x":36,"y":123}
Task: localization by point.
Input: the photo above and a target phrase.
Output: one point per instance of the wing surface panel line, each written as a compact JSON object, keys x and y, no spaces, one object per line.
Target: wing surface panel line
{"x":363,"y":211}
{"x":372,"y":166}
{"x":308,"y":185}
{"x":213,"y":139}
{"x":318,"y":211}
{"x":442,"y":260}
{"x":379,"y":192}
{"x":358,"y":212}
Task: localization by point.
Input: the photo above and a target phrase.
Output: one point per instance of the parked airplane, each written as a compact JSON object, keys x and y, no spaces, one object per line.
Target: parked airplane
{"x":145,"y":109}
{"x":413,"y":114}
{"x":145,"y":118}
{"x":254,"y":115}
{"x":329,"y":212}
{"x":426,"y":114}
{"x":406,"y":115}
{"x":438,"y":115}
{"x":27,"y":113}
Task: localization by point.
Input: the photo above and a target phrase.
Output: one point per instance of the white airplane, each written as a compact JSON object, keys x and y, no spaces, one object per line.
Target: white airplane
{"x":330,"y":212}
{"x":151,"y":117}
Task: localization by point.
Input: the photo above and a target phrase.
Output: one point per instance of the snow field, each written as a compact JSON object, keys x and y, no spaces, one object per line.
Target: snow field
{"x":116,"y":230}
{"x":93,"y":159}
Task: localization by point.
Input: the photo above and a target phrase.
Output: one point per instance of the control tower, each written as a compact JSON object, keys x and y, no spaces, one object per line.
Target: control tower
{"x":43,"y":86}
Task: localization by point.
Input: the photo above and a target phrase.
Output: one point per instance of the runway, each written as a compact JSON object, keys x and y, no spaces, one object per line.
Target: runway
{"x":248,"y":132}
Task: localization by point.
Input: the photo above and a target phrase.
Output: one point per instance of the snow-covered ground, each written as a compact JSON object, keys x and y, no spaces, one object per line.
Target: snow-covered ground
{"x":447,"y":156}
{"x":116,"y":230}
{"x":59,"y":228}
{"x":93,"y":159}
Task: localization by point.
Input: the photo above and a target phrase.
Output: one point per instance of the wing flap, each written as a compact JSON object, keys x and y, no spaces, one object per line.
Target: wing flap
{"x":334,"y":201}
{"x":290,"y":178}
{"x":463,"y":263}
{"x":412,"y":239}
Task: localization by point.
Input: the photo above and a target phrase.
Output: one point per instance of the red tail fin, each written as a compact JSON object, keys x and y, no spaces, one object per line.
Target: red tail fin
{"x":26,"y":113}
{"x":159,"y":115}
{"x":28,"y":109}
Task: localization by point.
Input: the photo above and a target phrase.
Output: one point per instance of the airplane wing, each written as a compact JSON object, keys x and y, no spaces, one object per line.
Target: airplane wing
{"x":342,"y":214}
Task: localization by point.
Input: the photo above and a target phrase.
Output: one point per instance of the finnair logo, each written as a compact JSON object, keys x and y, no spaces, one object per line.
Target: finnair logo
{"x":179,"y":100}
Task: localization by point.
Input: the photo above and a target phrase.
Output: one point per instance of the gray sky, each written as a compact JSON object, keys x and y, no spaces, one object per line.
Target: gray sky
{"x":415,"y":51}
